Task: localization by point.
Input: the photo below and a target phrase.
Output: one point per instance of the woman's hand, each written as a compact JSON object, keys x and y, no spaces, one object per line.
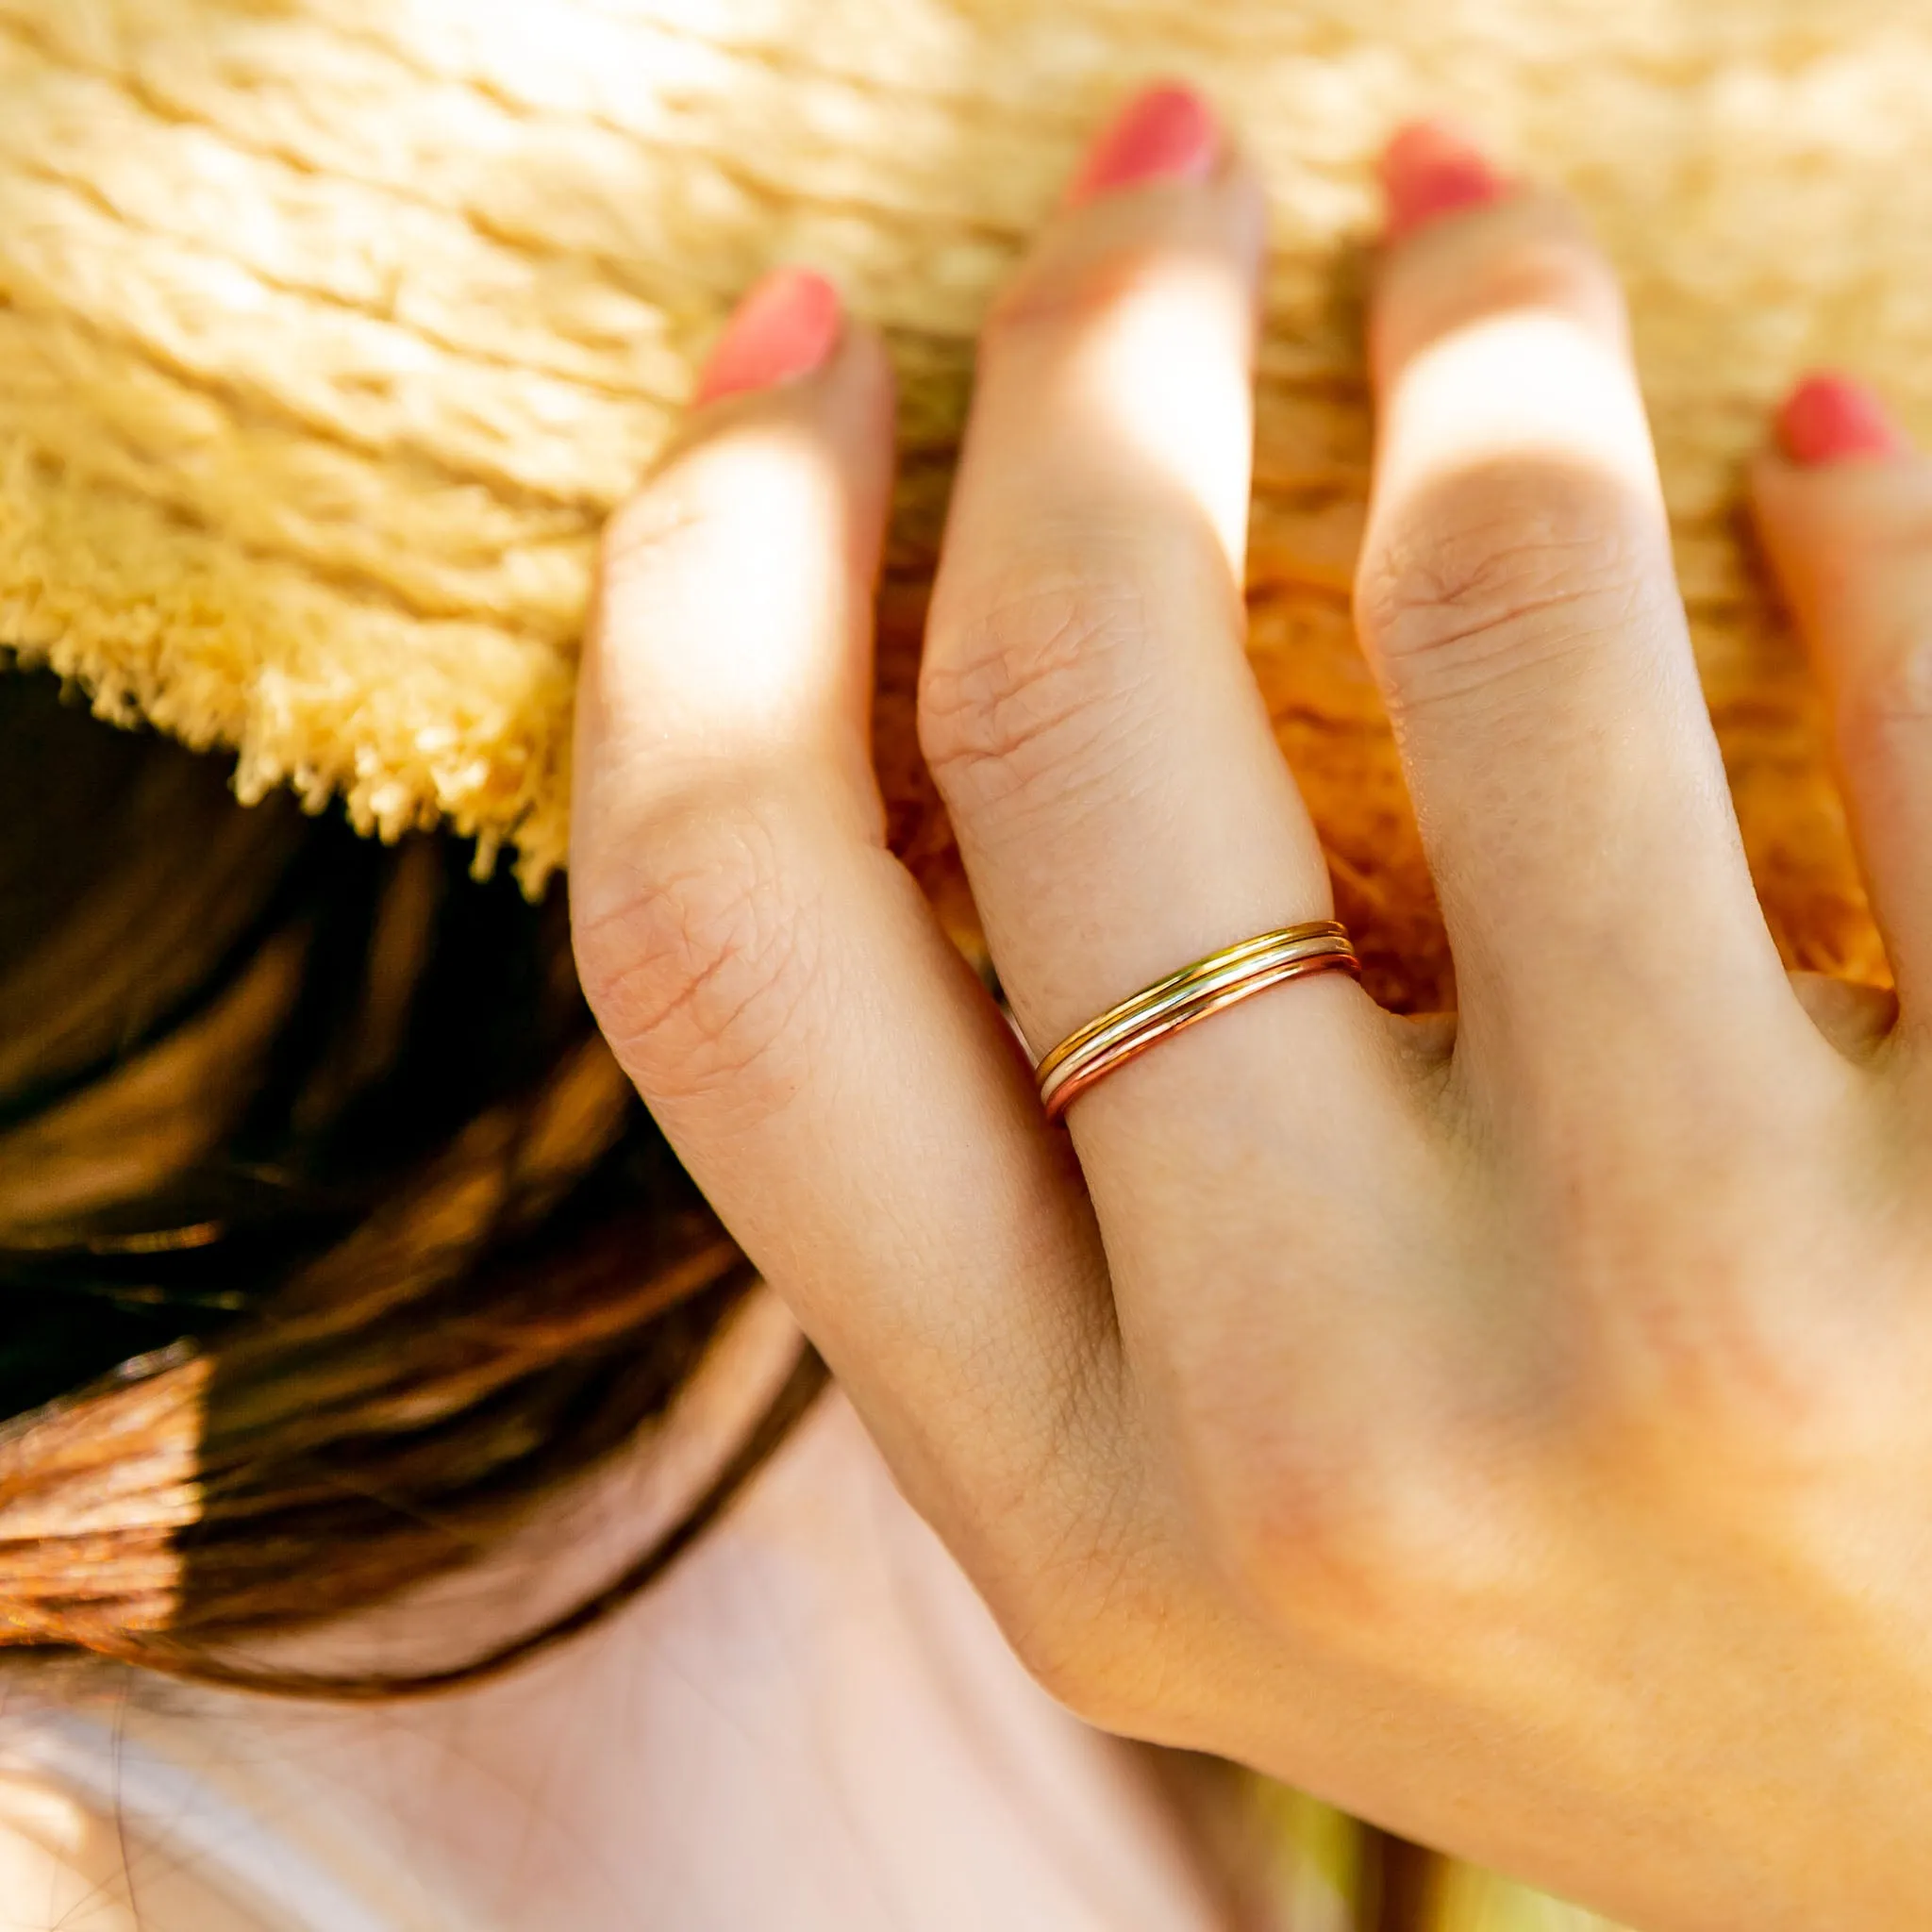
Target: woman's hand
{"x":1521,"y":1434}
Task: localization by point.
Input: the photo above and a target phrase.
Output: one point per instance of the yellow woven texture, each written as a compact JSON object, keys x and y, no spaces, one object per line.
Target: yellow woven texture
{"x":329,"y":330}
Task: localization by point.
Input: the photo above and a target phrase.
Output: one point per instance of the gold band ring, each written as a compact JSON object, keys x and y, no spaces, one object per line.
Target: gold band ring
{"x":1223,"y":978}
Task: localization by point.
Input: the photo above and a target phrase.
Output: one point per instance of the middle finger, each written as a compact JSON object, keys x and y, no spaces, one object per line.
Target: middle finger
{"x":1518,"y":599}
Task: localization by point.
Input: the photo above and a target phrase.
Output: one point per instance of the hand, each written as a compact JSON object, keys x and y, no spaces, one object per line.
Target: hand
{"x":1519,"y":1432}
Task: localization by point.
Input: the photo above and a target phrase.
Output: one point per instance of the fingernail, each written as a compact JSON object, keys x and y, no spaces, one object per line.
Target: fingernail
{"x":786,"y":327}
{"x":1166,"y":134}
{"x":1829,"y":417}
{"x":1430,"y":170}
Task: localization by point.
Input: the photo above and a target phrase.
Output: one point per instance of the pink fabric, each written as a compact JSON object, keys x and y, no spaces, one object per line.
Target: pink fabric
{"x":811,"y":1726}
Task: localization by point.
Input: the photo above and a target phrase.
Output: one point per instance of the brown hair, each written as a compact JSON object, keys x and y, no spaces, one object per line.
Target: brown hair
{"x":332,"y":1238}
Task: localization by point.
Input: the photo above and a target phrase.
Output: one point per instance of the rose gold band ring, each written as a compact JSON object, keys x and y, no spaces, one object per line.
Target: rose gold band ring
{"x":1223,"y":978}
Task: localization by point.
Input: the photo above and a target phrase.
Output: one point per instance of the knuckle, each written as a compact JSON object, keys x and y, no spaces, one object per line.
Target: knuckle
{"x":671,"y":555}
{"x":1499,"y":579}
{"x":1531,"y":253}
{"x":1716,"y":1374}
{"x":1066,"y":295}
{"x":666,"y":524}
{"x":1329,"y":1544}
{"x":1347,"y":1534}
{"x":1694,"y":1332}
{"x":1547,"y":262}
{"x":1034,"y":693}
{"x":698,"y":960}
{"x":1364,"y":1531}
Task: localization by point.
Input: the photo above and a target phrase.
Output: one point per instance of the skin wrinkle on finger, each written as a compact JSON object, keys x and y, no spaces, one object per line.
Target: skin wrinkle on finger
{"x":1504,"y":581}
{"x":1569,"y":670}
{"x":1010,"y":725}
{"x":1120,"y":805}
{"x":1086,"y":705}
{"x":1517,"y":598}
{"x":1502,"y":1471}
{"x":711,"y":960}
{"x":824,"y":1060}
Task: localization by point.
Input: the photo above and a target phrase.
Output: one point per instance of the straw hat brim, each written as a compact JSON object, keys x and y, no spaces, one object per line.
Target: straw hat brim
{"x":329,"y":331}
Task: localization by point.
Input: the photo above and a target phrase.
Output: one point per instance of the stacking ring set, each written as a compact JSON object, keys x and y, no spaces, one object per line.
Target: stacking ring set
{"x":1209,"y":986}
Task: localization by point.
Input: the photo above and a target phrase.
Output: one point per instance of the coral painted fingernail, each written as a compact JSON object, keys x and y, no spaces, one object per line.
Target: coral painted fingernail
{"x":1166,"y":134}
{"x":1828,"y":417}
{"x":1430,"y":170}
{"x":787,"y":325}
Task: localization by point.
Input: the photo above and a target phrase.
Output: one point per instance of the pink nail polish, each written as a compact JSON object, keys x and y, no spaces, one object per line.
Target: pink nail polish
{"x":1430,"y":170}
{"x":1166,"y":134}
{"x":787,"y":325}
{"x":1829,"y":417}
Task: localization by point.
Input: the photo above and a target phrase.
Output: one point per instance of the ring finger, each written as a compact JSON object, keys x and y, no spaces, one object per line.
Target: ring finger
{"x":1086,"y":705}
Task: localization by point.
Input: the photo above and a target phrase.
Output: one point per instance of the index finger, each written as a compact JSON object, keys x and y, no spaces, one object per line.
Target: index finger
{"x":826,"y":1066}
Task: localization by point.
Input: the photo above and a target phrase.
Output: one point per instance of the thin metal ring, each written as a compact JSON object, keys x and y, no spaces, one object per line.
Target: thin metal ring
{"x":1182,"y":993}
{"x":1184,"y":998}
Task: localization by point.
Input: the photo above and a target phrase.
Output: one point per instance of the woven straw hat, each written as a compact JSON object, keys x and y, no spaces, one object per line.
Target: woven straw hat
{"x":329,"y":330}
